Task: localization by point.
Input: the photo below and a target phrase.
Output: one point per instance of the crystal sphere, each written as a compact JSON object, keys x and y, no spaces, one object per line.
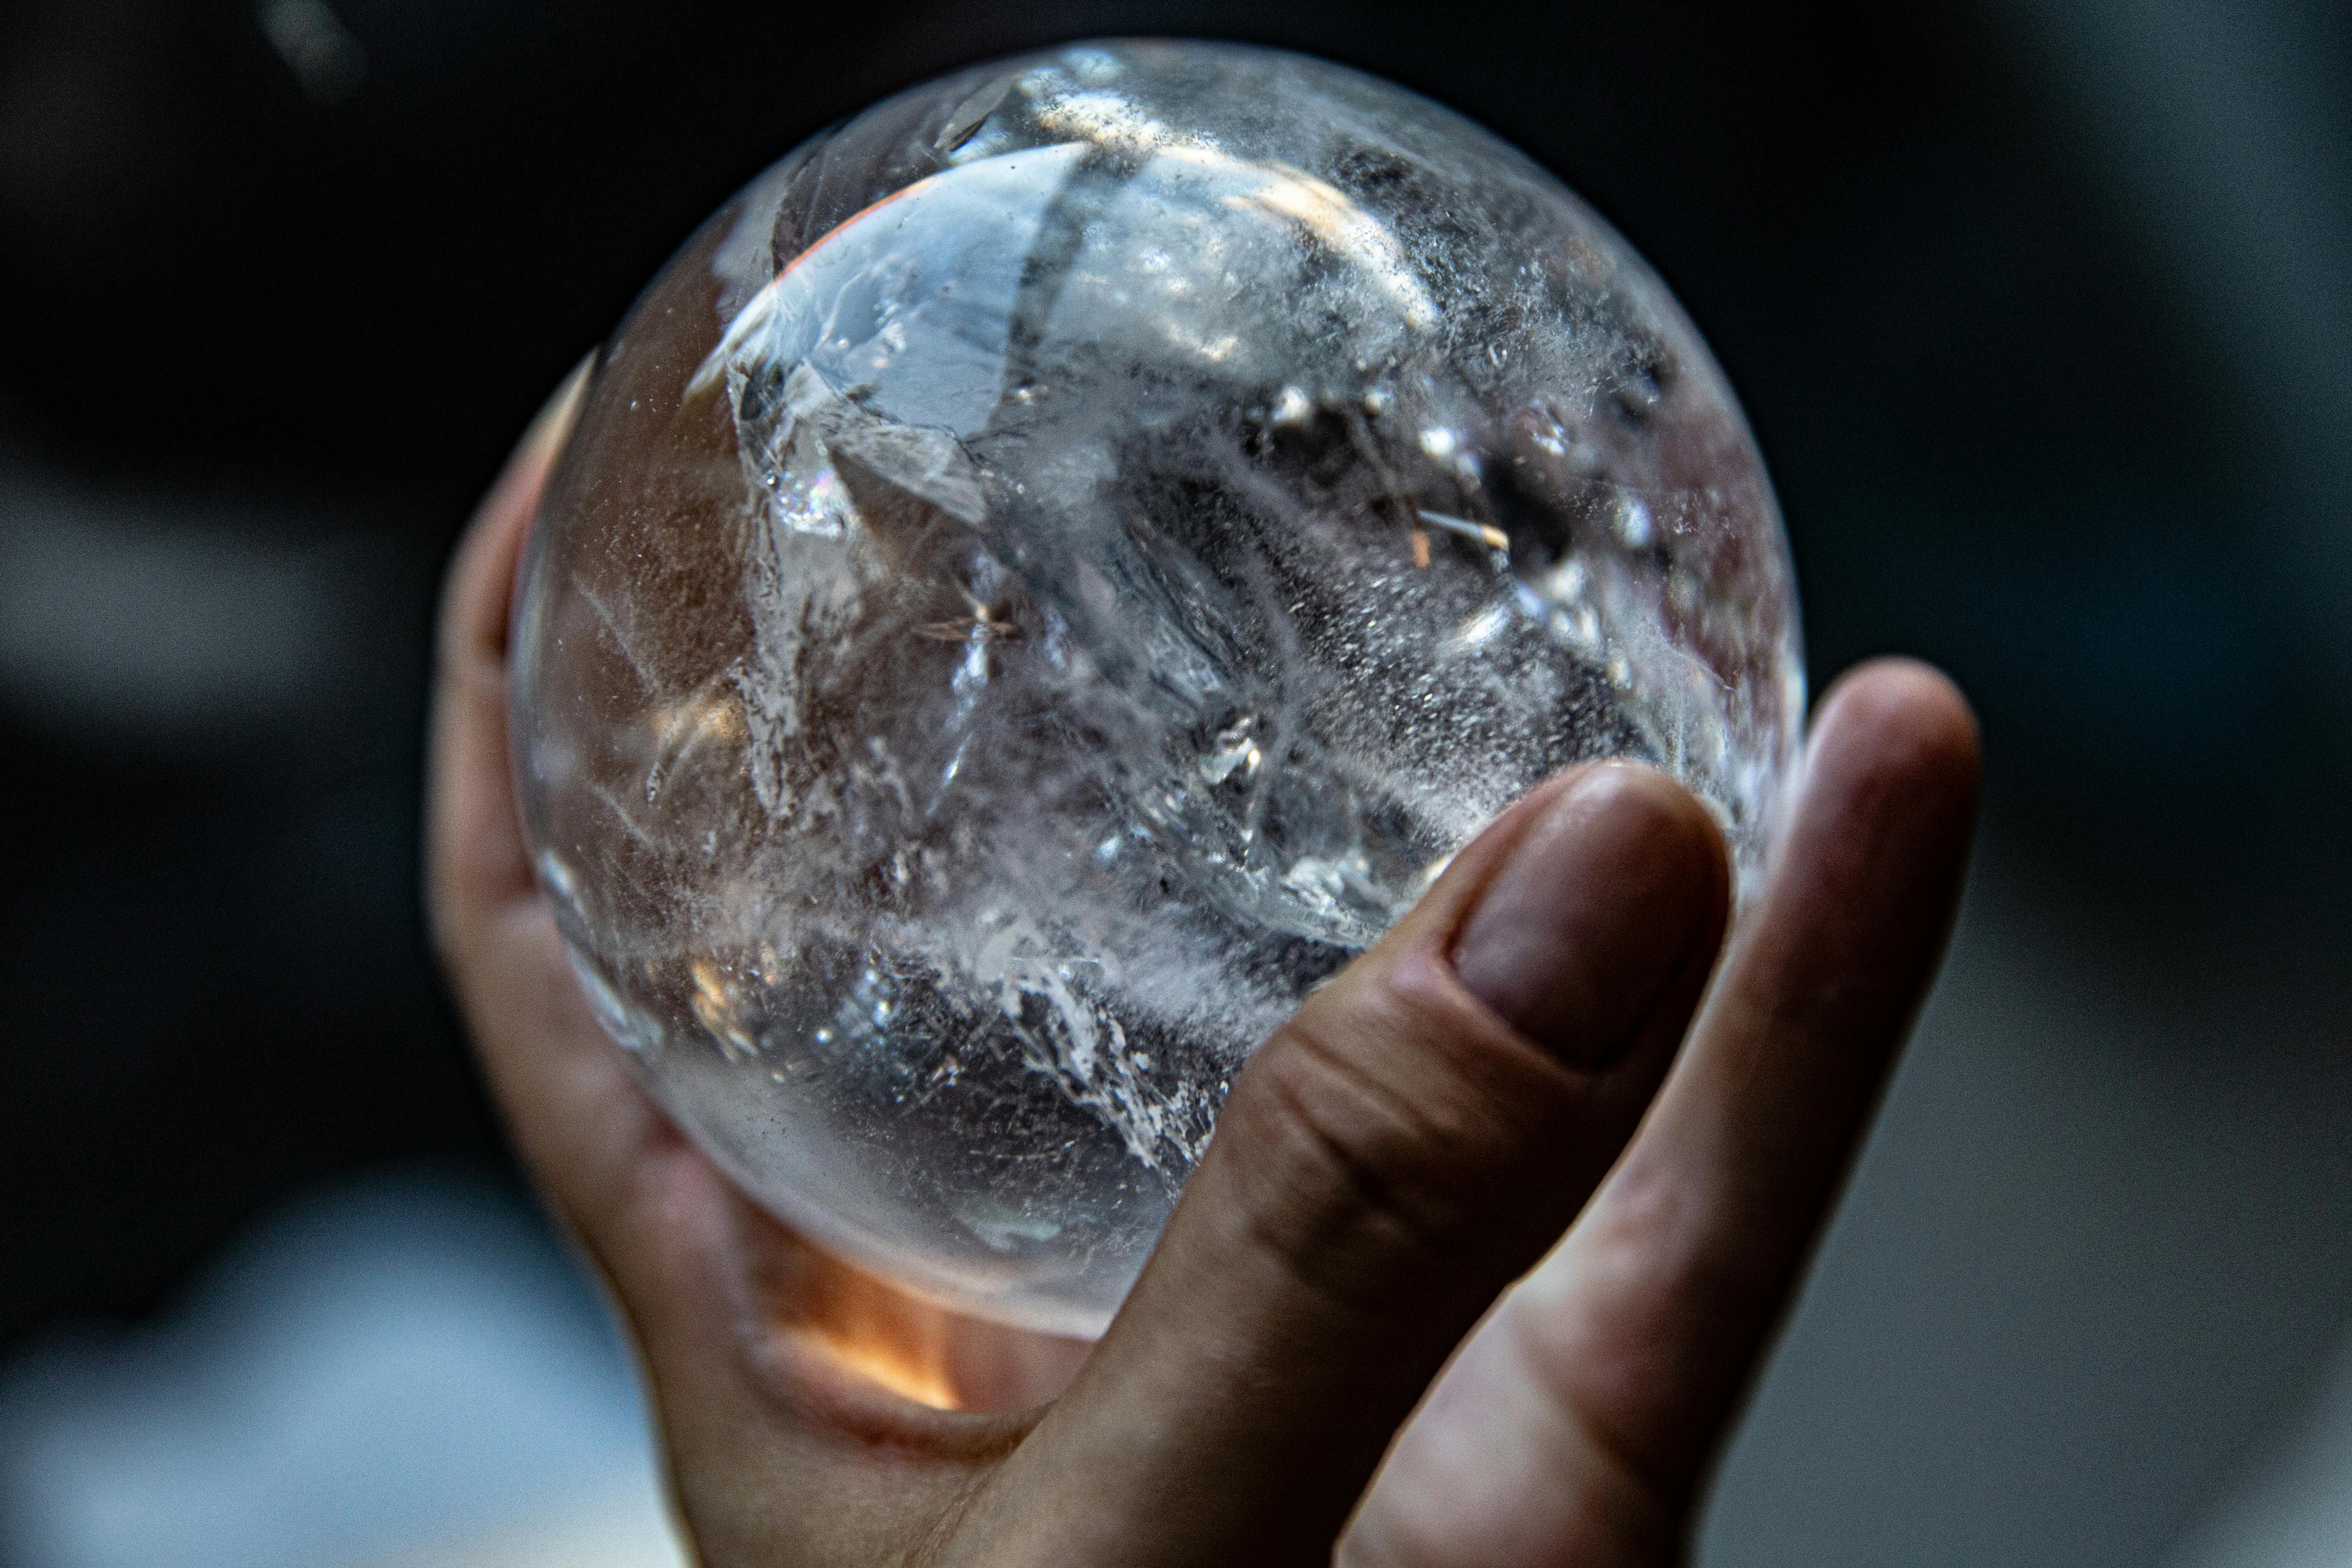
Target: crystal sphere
{"x":1050,"y":572}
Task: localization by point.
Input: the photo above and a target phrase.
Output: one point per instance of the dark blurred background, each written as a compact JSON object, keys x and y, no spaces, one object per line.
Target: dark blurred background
{"x":2042,"y":311}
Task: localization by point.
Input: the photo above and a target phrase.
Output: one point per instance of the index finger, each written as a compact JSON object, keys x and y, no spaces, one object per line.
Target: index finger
{"x":1577,"y":1422}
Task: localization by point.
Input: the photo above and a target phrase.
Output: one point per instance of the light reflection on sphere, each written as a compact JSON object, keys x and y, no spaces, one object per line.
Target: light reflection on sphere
{"x":1050,"y":570}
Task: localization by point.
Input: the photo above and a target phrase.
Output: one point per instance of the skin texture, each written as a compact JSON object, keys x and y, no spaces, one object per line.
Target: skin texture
{"x":1520,"y":1083}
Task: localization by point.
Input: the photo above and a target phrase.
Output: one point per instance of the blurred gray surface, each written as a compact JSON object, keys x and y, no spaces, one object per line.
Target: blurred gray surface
{"x":2223,"y":129}
{"x":2293,"y":1508}
{"x":2093,"y":1262}
{"x":404,"y":1369}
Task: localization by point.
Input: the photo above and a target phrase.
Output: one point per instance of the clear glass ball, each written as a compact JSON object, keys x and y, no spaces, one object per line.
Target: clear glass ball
{"x":1050,"y":572}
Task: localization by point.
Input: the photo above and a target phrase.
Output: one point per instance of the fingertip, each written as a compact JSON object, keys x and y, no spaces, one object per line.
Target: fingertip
{"x":1868,"y":872}
{"x":1901,"y":722}
{"x":1680,"y":826}
{"x":475,"y":856}
{"x":482,"y":573}
{"x":1663,"y":808}
{"x":1660,"y":813}
{"x":1593,"y":910}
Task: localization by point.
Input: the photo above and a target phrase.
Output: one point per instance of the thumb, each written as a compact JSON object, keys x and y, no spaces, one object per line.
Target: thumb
{"x":1407,"y":1145}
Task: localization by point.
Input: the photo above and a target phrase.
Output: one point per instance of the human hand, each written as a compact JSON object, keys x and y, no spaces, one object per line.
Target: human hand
{"x":1416,"y":1138}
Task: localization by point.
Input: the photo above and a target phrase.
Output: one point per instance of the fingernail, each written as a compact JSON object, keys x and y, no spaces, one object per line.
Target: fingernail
{"x":551,"y":425}
{"x":1577,"y":937}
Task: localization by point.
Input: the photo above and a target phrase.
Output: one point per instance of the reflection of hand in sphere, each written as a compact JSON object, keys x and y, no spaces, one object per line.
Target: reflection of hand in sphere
{"x":1385,"y":1167}
{"x":1051,"y":573}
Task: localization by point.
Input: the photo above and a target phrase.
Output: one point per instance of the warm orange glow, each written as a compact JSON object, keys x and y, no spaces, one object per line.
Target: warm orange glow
{"x":873,"y":1333}
{"x":902,"y":1369}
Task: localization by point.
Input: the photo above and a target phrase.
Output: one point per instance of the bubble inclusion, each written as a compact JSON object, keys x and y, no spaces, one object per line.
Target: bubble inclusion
{"x":1053,"y":571}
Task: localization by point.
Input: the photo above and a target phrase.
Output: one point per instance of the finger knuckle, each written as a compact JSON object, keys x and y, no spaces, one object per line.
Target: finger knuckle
{"x":1376,"y":1158}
